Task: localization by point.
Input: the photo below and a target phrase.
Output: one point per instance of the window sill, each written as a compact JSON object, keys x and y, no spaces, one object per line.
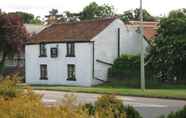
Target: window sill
{"x":70,"y":56}
{"x":71,"y":79}
{"x":43,"y":78}
{"x":42,"y":56}
{"x":53,"y":56}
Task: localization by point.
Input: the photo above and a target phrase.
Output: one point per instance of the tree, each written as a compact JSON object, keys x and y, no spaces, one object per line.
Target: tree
{"x":12,"y":37}
{"x":53,"y":12}
{"x":135,"y":15}
{"x":93,"y":11}
{"x":36,"y":20}
{"x":27,"y":17}
{"x":168,"y":56}
{"x":181,"y":13}
{"x":71,"y":17}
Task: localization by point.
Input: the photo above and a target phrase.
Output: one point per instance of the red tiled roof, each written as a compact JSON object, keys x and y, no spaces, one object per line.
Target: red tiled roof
{"x":77,"y":31}
{"x":150,"y":28}
{"x":150,"y":32}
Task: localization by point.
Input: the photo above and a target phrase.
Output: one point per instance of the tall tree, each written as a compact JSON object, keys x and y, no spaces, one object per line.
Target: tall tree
{"x":168,"y":56}
{"x":12,"y":37}
{"x":93,"y":11}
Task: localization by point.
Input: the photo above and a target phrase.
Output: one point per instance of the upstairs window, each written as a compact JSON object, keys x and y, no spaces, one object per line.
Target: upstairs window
{"x":53,"y":52}
{"x":43,"y":72}
{"x":70,"y":50}
{"x":43,"y":50}
{"x":71,"y":72}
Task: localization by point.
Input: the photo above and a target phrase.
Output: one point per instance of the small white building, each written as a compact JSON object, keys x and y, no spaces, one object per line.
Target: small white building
{"x":78,"y":53}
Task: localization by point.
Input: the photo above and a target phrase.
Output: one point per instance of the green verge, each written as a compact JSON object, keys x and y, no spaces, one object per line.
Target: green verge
{"x":153,"y":93}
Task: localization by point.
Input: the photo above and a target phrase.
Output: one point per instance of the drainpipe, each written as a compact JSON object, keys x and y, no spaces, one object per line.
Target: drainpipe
{"x":93,"y":58}
{"x":118,"y":32}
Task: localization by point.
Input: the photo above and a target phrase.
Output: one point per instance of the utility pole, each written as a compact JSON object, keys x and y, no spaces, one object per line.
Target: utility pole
{"x":142,"y":47}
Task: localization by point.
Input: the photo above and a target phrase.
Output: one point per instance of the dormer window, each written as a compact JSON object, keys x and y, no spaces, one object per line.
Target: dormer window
{"x":43,"y":50}
{"x":70,"y":50}
{"x":53,"y":52}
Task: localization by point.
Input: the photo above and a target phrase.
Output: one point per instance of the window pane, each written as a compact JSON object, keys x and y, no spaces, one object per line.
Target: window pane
{"x":43,"y":71}
{"x":42,"y":50}
{"x":71,"y":72}
{"x":53,"y":52}
{"x":70,"y":49}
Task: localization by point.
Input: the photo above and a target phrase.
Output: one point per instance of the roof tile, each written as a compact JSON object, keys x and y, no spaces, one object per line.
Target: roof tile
{"x":77,"y":31}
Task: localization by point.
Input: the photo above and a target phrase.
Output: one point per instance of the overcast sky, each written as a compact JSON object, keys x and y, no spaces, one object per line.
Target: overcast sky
{"x":41,"y":7}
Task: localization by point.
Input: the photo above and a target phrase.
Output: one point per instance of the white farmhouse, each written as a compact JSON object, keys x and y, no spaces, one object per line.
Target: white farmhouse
{"x":78,"y":53}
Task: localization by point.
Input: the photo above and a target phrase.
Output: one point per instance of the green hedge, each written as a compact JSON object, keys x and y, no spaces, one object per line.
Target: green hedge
{"x":1,"y":67}
{"x":125,"y":71}
{"x":126,"y":66}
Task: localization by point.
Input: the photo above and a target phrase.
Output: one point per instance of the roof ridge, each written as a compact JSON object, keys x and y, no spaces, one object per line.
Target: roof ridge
{"x":78,"y":31}
{"x":87,"y":21}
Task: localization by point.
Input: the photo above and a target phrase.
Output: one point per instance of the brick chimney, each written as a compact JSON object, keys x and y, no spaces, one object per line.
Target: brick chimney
{"x":53,"y":17}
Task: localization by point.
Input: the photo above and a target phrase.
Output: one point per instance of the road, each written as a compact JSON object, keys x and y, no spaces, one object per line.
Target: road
{"x":148,"y":107}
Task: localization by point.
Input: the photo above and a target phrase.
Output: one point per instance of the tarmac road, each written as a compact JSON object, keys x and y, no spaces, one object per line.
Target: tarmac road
{"x":148,"y":107}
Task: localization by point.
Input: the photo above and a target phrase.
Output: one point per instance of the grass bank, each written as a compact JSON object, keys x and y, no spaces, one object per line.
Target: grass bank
{"x":172,"y":93}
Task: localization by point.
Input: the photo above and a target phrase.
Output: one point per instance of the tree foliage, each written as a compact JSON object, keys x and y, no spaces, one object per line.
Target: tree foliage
{"x":28,"y":17}
{"x":12,"y":37}
{"x":135,"y":15}
{"x":93,"y":11}
{"x":66,"y":16}
{"x":168,"y":56}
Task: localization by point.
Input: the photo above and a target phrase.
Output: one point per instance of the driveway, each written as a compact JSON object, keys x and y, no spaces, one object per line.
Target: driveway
{"x":148,"y":107}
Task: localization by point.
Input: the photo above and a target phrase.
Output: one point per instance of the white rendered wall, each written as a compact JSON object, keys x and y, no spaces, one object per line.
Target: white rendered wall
{"x":106,"y":47}
{"x":57,"y":67}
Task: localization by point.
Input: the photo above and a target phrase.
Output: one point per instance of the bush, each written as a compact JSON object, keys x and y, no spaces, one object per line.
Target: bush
{"x":125,"y":71}
{"x":179,"y":114}
{"x":127,"y":66}
{"x":29,"y":105}
{"x":1,"y":67}
{"x":8,"y":87}
{"x":26,"y":104}
{"x":131,"y":112}
{"x":108,"y":106}
{"x":90,"y":108}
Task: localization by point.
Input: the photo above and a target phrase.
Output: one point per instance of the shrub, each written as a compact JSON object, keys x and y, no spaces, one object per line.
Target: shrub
{"x":125,"y":66}
{"x":131,"y":112}
{"x":108,"y":106}
{"x":8,"y":87}
{"x":26,"y":104}
{"x":29,"y":105}
{"x":90,"y":108}
{"x":179,"y":114}
{"x":1,"y":67}
{"x":111,"y":107}
{"x":125,"y":71}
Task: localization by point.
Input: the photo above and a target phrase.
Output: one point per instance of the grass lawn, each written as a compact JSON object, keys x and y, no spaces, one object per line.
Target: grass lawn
{"x":172,"y":93}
